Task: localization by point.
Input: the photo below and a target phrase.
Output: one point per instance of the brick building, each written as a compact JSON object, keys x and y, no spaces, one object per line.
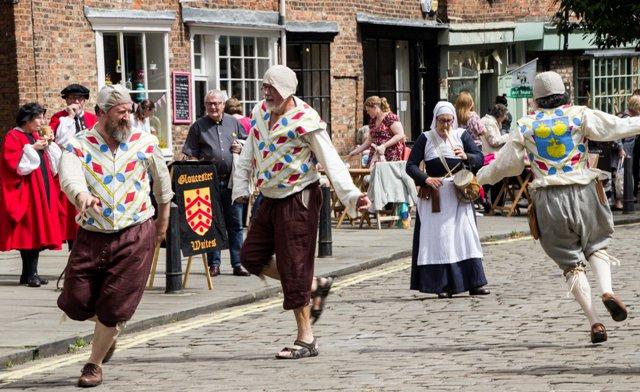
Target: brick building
{"x":412,"y":52}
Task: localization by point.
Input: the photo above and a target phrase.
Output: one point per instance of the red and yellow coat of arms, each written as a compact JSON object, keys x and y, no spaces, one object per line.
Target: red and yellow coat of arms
{"x":197,"y":204}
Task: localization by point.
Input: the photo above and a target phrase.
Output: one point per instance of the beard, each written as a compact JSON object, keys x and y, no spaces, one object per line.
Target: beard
{"x":119,"y":130}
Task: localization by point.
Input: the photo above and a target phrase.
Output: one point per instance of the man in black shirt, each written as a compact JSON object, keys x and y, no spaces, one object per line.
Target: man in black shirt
{"x":214,"y":138}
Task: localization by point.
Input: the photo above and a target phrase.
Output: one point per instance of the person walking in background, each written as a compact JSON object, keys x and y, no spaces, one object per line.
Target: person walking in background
{"x":446,"y":256}
{"x":214,"y":138}
{"x":28,"y":192}
{"x":467,"y":118}
{"x":65,"y":124}
{"x":140,"y":119}
{"x":111,"y":260}
{"x":570,"y":210}
{"x":492,"y":141}
{"x":233,"y":107}
{"x":287,"y":139}
{"x":386,"y":135}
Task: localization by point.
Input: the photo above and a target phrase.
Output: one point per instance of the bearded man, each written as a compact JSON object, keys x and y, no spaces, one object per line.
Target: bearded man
{"x":286,"y":140}
{"x":103,"y":172}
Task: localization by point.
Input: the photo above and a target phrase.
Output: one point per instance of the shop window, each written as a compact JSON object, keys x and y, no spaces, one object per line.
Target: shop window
{"x":138,"y":61}
{"x":465,"y":72}
{"x":605,"y":83}
{"x":310,"y":62}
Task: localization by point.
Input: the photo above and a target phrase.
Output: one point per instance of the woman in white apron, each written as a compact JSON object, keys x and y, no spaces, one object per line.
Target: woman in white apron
{"x":447,"y":257}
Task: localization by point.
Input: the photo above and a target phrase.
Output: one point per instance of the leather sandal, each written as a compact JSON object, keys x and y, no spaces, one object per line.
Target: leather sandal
{"x":300,"y":350}
{"x":615,"y":306}
{"x":321,"y":291}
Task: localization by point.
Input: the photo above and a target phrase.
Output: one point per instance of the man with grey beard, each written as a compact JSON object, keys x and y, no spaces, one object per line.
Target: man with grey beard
{"x":103,"y":172}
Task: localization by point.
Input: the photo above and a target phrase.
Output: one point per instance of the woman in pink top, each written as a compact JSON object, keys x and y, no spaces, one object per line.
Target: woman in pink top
{"x":234,"y":108}
{"x":468,"y":118}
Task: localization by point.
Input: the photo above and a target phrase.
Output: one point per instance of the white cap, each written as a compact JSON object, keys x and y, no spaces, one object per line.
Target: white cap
{"x":547,"y":83}
{"x":283,"y":79}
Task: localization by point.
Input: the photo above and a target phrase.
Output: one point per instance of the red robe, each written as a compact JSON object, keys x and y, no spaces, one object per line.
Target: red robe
{"x":68,"y":212}
{"x":28,"y":220}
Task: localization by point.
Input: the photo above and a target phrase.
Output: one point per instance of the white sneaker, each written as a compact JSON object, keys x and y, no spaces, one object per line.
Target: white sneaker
{"x":479,"y":213}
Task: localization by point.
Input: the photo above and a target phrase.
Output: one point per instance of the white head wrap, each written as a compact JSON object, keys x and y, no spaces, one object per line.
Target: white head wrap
{"x":444,"y":107}
{"x":283,"y":79}
{"x":113,"y":95}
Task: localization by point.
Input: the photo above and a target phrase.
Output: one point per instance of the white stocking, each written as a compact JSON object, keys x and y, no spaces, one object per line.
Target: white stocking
{"x":579,"y":287}
{"x":601,"y":265}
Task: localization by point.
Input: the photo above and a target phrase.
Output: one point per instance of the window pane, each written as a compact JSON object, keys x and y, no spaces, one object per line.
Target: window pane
{"x":294,"y":61}
{"x":315,"y":56}
{"x":112,"y":62}
{"x":263,"y":47}
{"x":223,"y":45}
{"x":315,"y":84}
{"x":234,"y":43}
{"x":236,"y":90}
{"x":306,"y":57}
{"x":134,"y":72}
{"x":201,"y":90}
{"x":326,"y":84}
{"x":197,"y":62}
{"x":324,"y":56}
{"x":249,"y":46}
{"x":224,"y":86}
{"x":326,"y":109}
{"x":197,"y":43}
{"x":236,"y":68}
{"x":224,"y":73}
{"x":386,"y":66}
{"x":263,"y":65}
{"x":250,"y":90}
{"x":248,"y":107}
{"x":249,"y":69}
{"x":157,"y":74}
{"x":158,"y":119}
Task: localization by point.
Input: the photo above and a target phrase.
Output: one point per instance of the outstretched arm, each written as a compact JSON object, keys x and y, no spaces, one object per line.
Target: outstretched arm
{"x":605,"y":127}
{"x":509,"y":163}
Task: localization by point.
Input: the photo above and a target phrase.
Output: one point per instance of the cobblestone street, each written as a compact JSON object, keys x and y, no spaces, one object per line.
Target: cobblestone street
{"x":376,"y":335}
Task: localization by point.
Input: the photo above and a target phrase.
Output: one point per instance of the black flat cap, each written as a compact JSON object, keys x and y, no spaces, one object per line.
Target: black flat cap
{"x":75,"y":89}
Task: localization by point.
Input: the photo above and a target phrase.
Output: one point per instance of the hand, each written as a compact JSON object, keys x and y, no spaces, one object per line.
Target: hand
{"x":460,"y":153}
{"x":40,"y":144}
{"x":72,"y":109}
{"x":242,"y":200}
{"x":433,"y":182}
{"x":85,"y":200}
{"x":162,"y":224}
{"x":622,"y":153}
{"x":363,"y":203}
{"x":381,"y":149}
{"x":236,"y":147}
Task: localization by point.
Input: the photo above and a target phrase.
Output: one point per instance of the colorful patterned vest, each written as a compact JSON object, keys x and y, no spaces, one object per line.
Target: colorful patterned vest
{"x":119,"y":181}
{"x":282,"y":158}
{"x":554,"y":140}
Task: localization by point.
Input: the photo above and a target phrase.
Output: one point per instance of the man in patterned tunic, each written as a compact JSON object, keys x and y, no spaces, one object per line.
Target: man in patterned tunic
{"x":572,"y":213}
{"x":103,"y":171}
{"x":286,"y":140}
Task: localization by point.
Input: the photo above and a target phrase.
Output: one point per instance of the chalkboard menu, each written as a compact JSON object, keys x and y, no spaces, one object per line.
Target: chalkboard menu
{"x":181,"y":98}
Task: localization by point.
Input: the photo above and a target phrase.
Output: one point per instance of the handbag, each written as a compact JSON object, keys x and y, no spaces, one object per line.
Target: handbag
{"x":533,"y":221}
{"x":464,"y":180}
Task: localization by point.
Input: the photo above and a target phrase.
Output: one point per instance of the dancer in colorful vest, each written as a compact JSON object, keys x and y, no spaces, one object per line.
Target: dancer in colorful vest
{"x":286,"y":139}
{"x":573,"y":216}
{"x":104,"y":172}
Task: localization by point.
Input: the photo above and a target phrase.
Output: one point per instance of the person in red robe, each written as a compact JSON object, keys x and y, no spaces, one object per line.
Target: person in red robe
{"x":28,"y":192}
{"x":65,"y":124}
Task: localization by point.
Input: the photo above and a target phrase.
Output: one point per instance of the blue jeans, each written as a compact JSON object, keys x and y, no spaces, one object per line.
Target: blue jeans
{"x":232,"y":213}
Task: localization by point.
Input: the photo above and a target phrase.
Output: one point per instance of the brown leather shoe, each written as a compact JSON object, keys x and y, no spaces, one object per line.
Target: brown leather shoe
{"x":109,"y":353}
{"x":479,"y":291}
{"x":239,"y":271}
{"x":598,"y":333}
{"x":214,"y":270}
{"x":614,"y":305}
{"x":91,"y":376}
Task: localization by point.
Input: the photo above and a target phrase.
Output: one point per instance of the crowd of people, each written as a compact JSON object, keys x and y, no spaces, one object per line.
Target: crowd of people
{"x":64,"y":182}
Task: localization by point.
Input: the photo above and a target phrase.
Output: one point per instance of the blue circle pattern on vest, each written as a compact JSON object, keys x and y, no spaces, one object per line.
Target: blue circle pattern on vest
{"x":87,"y":159}
{"x":107,"y":179}
{"x":104,"y":148}
{"x":559,"y":112}
{"x":567,"y":169}
{"x":291,"y":134}
{"x":120,"y":208}
{"x":539,"y":115}
{"x":288,"y":158}
{"x":582,"y":148}
{"x":577,"y":121}
{"x":123,"y":146}
{"x":141,"y":156}
{"x":552,"y":170}
{"x":284,"y":121}
{"x":266,"y":116}
{"x":107,"y":212}
{"x":120,"y":177}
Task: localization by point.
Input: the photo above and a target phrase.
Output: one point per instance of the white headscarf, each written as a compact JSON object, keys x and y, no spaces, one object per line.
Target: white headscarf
{"x":444,"y":107}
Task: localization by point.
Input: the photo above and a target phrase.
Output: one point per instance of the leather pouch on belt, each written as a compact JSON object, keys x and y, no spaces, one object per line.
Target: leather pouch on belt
{"x":533,"y":221}
{"x":426,"y":192}
{"x":602,"y":196}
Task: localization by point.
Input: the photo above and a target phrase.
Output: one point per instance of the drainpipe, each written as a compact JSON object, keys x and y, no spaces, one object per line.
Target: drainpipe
{"x":283,"y":33}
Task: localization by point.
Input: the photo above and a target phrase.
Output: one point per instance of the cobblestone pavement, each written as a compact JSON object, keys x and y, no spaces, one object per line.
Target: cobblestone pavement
{"x":376,"y":335}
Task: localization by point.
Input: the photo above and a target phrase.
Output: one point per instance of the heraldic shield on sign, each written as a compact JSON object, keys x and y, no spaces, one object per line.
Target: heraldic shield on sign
{"x":197,"y":192}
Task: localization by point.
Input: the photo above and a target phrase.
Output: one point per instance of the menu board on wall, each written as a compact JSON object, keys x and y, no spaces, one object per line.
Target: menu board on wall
{"x":181,"y":97}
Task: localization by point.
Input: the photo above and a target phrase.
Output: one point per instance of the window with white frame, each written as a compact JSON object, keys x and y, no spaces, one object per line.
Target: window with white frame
{"x":242,"y":63}
{"x":138,"y":60}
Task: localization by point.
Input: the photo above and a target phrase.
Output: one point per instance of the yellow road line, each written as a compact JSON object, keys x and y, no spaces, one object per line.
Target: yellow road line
{"x":137,"y":339}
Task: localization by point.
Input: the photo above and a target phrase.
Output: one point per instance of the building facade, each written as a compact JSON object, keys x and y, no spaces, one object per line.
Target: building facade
{"x":412,"y":52}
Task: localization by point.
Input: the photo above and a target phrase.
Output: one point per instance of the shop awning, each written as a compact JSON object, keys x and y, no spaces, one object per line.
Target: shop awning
{"x":263,"y":20}
{"x":120,"y":19}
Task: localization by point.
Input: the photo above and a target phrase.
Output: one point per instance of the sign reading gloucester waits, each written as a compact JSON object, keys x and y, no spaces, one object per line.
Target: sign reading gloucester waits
{"x":197,"y":195}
